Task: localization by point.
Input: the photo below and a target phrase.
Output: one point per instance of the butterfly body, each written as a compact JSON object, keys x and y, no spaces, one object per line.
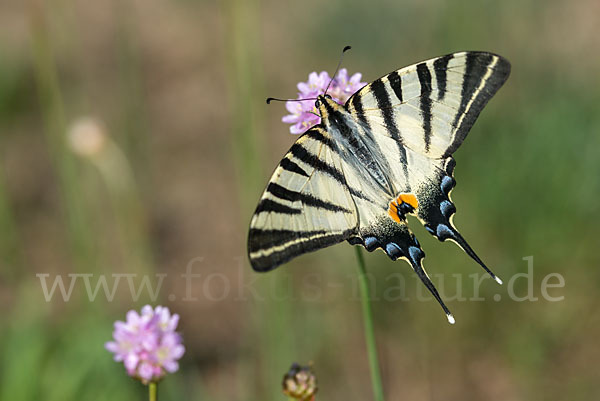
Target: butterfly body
{"x":383,"y":155}
{"x":359,"y":152}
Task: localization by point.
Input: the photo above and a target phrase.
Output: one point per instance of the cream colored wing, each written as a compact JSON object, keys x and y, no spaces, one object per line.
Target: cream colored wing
{"x":430,"y":107}
{"x":306,"y":206}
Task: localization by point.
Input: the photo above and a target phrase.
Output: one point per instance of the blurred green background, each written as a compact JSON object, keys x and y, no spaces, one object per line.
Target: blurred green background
{"x":134,"y":139}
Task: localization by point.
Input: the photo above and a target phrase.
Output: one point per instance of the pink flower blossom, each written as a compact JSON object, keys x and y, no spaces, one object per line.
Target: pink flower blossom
{"x":304,"y":115}
{"x":147,"y":343}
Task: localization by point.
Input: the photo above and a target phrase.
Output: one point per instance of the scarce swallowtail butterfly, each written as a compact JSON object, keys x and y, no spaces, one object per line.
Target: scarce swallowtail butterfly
{"x":383,"y":155}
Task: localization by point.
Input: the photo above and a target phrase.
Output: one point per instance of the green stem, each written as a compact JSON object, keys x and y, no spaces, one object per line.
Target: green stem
{"x":153,"y":391}
{"x":365,"y":298}
{"x":81,"y":234}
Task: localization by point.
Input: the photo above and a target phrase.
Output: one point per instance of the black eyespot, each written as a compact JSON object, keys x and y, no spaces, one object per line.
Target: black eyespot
{"x":317,"y":103}
{"x":327,"y":96}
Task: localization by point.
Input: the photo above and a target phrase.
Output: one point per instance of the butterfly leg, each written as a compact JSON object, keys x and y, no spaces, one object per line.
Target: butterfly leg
{"x":436,"y":211}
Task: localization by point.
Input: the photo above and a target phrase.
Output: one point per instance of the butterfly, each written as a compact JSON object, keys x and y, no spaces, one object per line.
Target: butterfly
{"x":383,"y":155}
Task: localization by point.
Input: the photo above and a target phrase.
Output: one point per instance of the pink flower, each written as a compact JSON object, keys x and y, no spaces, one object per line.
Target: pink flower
{"x":304,"y":115}
{"x":147,"y":343}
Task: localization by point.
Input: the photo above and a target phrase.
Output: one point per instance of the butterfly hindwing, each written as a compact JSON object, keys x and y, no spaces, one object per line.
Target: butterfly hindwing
{"x":428,"y":109}
{"x":436,"y":209}
{"x":306,"y":205}
{"x":398,"y":242}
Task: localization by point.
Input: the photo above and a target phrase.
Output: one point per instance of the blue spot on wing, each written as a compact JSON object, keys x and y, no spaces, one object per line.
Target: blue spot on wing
{"x":371,"y":243}
{"x":447,"y":208}
{"x":393,"y":250}
{"x":444,"y":232}
{"x":447,"y":184}
{"x":415,"y":253}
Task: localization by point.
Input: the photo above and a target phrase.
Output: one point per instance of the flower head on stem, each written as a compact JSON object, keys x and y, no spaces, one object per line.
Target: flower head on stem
{"x":304,"y":115}
{"x":147,"y":343}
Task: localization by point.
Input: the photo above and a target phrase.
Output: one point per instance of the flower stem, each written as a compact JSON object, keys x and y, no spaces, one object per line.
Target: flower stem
{"x":369,"y":331}
{"x":153,"y":391}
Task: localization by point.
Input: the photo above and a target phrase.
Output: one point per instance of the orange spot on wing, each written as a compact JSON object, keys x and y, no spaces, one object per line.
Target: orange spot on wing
{"x":393,"y":212}
{"x":411,"y":199}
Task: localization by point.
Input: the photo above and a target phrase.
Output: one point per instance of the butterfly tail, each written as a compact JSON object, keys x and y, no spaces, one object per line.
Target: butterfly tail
{"x":436,"y":213}
{"x":454,"y":236}
{"x":398,"y":242}
{"x":415,"y":259}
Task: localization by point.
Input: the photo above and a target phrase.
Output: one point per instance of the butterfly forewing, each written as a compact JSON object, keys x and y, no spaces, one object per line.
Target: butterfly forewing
{"x":430,"y":106}
{"x":306,"y":205}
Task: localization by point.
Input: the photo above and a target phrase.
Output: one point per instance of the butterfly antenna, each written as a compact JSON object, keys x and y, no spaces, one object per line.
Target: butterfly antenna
{"x":270,"y":99}
{"x":346,"y":48}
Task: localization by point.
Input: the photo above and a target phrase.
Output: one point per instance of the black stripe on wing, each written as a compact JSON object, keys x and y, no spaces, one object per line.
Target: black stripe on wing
{"x":359,"y":109}
{"x":317,"y":135}
{"x":389,"y":118}
{"x":475,"y":93}
{"x":396,"y":84}
{"x":439,"y":67}
{"x":302,"y":154}
{"x":268,"y":205}
{"x":289,"y":165}
{"x":276,"y":237}
{"x":384,"y":103}
{"x":306,"y":199}
{"x":425,"y":102}
{"x":270,"y":248}
{"x":298,"y":151}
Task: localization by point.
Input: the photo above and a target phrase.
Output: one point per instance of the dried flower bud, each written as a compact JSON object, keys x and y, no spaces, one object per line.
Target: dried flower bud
{"x":300,"y":383}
